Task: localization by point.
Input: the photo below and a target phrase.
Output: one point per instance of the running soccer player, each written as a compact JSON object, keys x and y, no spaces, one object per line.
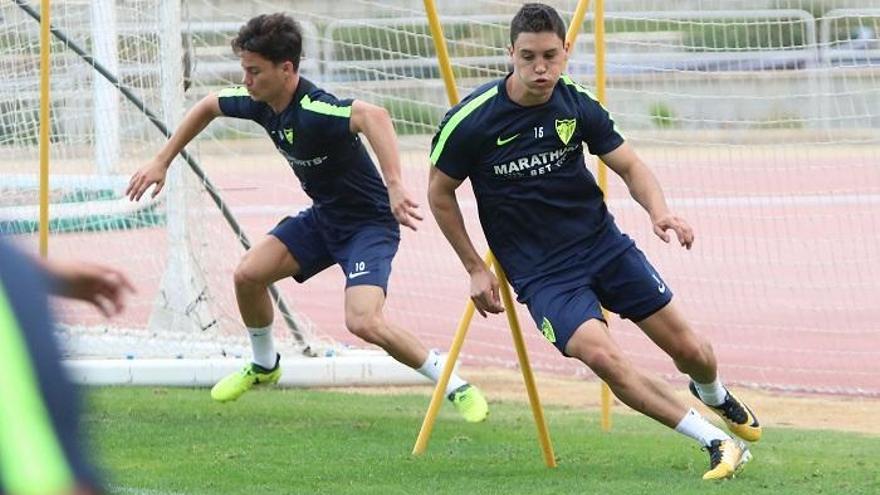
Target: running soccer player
{"x":354,"y":219}
{"x":519,"y":140}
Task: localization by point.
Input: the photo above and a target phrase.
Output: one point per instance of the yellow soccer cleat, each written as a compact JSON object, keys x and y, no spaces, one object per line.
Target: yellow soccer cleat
{"x":726,"y":457}
{"x":740,"y":420}
{"x":470,"y":403}
{"x":232,"y":386}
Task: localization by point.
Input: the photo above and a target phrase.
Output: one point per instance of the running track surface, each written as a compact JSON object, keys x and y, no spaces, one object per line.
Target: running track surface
{"x":784,"y":277}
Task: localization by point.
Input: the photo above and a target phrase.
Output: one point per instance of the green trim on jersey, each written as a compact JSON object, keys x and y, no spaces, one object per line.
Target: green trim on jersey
{"x":456,"y":119}
{"x":31,"y":457}
{"x":571,"y":82}
{"x":325,"y":108}
{"x":236,"y":91}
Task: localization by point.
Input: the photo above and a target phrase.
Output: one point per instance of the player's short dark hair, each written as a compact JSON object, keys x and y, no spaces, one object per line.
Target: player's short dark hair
{"x":275,"y":37}
{"x":536,"y":18}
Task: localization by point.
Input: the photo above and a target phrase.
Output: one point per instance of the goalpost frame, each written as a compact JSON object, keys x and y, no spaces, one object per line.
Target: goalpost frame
{"x":45,"y":31}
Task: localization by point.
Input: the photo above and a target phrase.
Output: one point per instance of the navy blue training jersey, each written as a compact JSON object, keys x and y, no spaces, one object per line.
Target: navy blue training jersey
{"x":539,"y":205}
{"x":333,"y":166}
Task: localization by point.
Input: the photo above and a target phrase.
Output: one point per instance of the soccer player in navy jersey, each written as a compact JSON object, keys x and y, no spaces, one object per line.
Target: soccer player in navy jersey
{"x":353,"y":221}
{"x":519,"y":140}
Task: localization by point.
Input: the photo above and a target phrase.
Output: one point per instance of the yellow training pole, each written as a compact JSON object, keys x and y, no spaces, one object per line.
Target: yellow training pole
{"x":461,"y":332}
{"x":463,"y":325}
{"x":528,"y":376}
{"x":44,"y":127}
{"x":440,"y":390}
{"x":442,"y":53}
{"x":599,"y":35}
{"x":437,"y":397}
{"x":576,"y":21}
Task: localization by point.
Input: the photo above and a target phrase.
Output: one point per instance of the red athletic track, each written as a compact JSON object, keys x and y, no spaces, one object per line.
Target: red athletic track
{"x":784,"y":277}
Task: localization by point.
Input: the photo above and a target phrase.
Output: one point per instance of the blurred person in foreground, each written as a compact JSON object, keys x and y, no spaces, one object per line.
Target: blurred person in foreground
{"x":41,"y":450}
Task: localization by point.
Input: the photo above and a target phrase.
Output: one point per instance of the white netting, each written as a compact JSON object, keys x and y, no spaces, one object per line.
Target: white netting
{"x":98,"y":139}
{"x":759,"y":117}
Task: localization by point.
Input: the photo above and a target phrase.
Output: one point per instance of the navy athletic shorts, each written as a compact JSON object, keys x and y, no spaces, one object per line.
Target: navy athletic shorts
{"x":365,"y":255}
{"x":627,"y":285}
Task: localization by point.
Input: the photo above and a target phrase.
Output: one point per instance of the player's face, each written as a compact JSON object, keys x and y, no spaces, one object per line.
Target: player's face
{"x":264,"y":79}
{"x":538,"y":61}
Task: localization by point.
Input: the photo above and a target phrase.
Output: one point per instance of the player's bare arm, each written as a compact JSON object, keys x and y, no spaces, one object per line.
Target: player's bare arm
{"x":646,"y":190}
{"x":198,"y":117}
{"x":444,"y":206}
{"x":375,"y":123}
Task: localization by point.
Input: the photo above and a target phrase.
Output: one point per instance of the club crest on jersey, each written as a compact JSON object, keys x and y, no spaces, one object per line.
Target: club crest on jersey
{"x":547,"y":329}
{"x":288,"y":135}
{"x":565,"y":129}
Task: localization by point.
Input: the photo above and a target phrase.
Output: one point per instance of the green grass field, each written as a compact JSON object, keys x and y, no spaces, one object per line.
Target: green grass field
{"x":176,"y":441}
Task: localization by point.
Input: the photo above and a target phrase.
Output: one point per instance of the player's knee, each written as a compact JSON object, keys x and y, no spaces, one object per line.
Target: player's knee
{"x":246,"y":276}
{"x":610,"y":366}
{"x":693,"y":353}
{"x":367,"y":326}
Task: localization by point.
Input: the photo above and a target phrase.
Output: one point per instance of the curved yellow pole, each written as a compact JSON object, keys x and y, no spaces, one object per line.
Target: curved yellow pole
{"x":525,"y":366}
{"x":45,"y":124}
{"x":602,"y":171}
{"x":442,"y":52}
{"x":440,"y":389}
{"x":464,"y":323}
{"x":577,"y":21}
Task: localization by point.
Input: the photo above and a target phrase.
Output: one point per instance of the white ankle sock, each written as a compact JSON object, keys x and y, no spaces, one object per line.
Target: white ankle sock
{"x":713,"y":393}
{"x":263,"y":346}
{"x":432,"y":368}
{"x":696,"y":427}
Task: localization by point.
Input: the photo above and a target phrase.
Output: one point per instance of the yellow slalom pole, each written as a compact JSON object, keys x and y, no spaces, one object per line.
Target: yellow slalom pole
{"x":576,"y":21}
{"x":528,"y":376}
{"x":599,"y":35}
{"x":45,"y":49}
{"x":442,"y":52}
{"x":463,"y":325}
{"x":440,"y":390}
{"x":437,"y":397}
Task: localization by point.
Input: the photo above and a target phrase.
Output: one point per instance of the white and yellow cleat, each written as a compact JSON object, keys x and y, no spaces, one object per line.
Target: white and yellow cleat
{"x":726,"y":458}
{"x":740,"y":419}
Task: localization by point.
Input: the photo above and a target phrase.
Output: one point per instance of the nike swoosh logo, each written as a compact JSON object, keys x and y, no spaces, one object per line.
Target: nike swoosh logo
{"x":502,"y":142}
{"x":754,"y":422}
{"x":661,"y":287}
{"x":356,"y":274}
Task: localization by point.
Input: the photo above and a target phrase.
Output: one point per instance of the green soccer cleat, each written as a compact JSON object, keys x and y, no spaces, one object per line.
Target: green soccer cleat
{"x":740,"y":420}
{"x":470,"y":403}
{"x":232,"y":386}
{"x":726,"y":457}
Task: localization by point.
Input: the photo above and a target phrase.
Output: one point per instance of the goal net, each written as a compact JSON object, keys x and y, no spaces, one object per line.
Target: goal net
{"x":759,"y":117}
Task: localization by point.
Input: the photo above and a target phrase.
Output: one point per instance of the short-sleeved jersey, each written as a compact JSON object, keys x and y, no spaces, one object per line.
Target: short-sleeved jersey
{"x":333,"y":166}
{"x":539,"y":205}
